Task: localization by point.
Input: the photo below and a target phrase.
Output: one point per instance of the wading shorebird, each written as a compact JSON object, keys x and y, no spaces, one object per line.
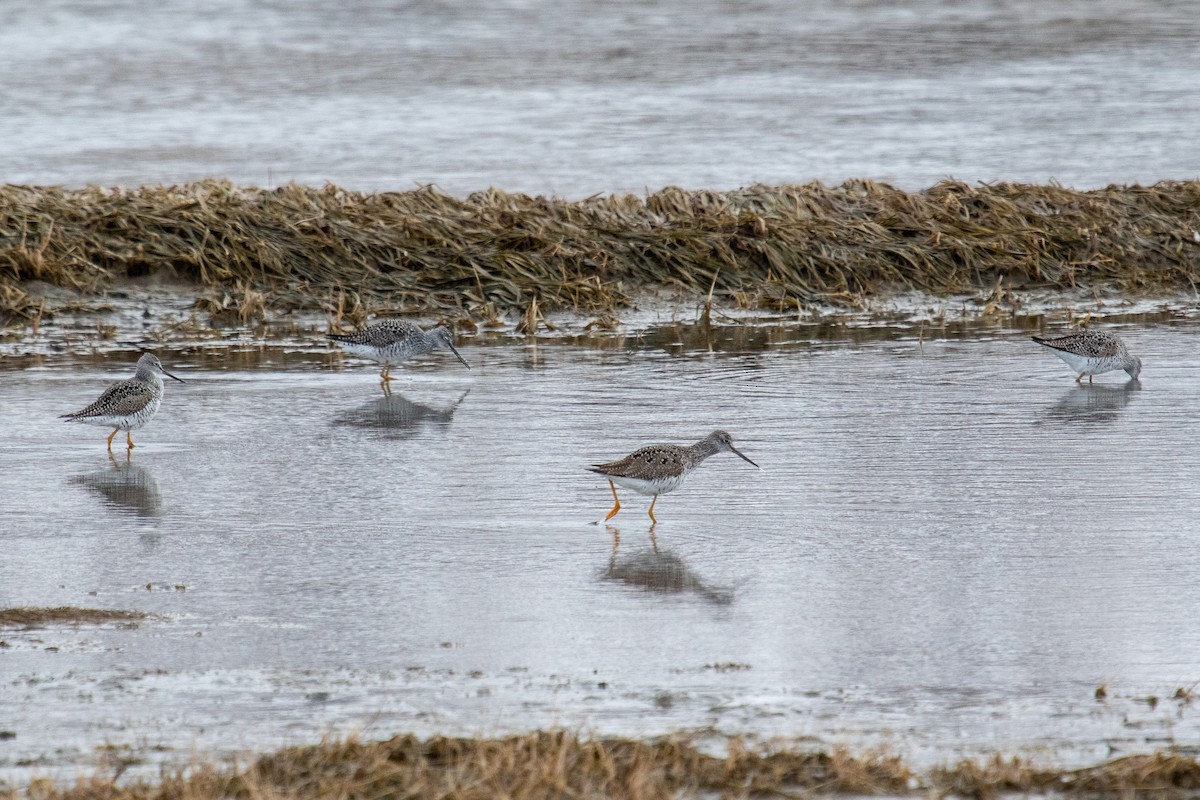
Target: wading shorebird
{"x":128,"y":405}
{"x":392,"y":341}
{"x":1092,"y":352}
{"x":661,"y":468}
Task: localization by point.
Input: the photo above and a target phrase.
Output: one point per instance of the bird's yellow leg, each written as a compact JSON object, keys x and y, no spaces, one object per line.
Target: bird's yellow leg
{"x":1079,"y":378}
{"x":616,"y":502}
{"x":652,"y":517}
{"x":110,"y":438}
{"x":129,"y":439}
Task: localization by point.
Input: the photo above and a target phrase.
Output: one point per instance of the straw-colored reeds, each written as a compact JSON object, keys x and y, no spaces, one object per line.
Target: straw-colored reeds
{"x":492,"y":252}
{"x":551,"y":765}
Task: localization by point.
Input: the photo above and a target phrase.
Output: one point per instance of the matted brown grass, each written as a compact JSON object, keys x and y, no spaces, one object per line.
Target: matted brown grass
{"x":539,"y":765}
{"x":544,"y":765}
{"x":250,"y":249}
{"x":1157,"y":775}
{"x":65,"y":615}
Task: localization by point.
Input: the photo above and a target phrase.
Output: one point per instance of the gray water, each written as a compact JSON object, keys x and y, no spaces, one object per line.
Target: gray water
{"x":576,"y":97}
{"x":949,"y":546}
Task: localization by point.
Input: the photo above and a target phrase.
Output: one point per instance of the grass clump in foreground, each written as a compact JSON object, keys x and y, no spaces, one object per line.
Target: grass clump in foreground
{"x":250,"y":250}
{"x":64,"y":615}
{"x":557,"y":764}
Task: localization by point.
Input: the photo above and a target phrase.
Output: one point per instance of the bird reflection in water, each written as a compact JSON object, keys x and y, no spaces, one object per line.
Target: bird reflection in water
{"x":1088,"y":402}
{"x":125,"y":486}
{"x":398,"y":416}
{"x":659,"y":571}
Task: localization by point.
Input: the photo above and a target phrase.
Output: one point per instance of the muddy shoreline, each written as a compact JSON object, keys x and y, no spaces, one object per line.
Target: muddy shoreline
{"x":152,"y":313}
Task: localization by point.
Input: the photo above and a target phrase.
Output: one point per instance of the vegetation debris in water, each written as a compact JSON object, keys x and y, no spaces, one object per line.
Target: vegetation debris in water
{"x":65,"y":615}
{"x":558,"y":764}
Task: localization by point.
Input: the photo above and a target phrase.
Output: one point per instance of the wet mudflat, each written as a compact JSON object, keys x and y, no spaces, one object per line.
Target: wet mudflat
{"x":949,"y":548}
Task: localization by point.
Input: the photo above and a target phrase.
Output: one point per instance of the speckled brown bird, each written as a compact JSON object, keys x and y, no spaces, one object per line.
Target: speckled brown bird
{"x":128,"y":405}
{"x":393,"y":341}
{"x":1092,"y":352}
{"x":660,"y":468}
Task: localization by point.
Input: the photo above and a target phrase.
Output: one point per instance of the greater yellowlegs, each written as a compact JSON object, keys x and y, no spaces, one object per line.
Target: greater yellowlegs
{"x":1091,"y":352}
{"x":128,"y":405}
{"x":392,"y":341}
{"x":661,"y":468}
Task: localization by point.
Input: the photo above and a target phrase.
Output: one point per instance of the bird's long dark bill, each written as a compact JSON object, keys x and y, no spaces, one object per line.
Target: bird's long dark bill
{"x":743,"y":455}
{"x":169,"y":375}
{"x":456,"y":355}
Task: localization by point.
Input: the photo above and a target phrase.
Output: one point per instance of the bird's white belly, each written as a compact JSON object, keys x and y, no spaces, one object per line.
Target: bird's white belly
{"x":382,"y":355}
{"x":656,"y":486}
{"x":1092,"y":366}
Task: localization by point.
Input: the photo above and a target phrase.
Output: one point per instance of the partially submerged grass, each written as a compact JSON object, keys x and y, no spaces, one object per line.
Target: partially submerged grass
{"x":249,"y":250}
{"x":558,"y":764}
{"x":64,"y":615}
{"x":538,"y":765}
{"x":1158,"y":774}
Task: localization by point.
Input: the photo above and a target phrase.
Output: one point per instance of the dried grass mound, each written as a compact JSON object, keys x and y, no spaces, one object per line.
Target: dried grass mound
{"x":299,"y":246}
{"x":1157,"y":775}
{"x":537,"y":766}
{"x":556,"y":764}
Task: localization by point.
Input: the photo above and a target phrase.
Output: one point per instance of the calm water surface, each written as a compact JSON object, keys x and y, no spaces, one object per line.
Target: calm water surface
{"x":949,"y":547}
{"x":577,"y":97}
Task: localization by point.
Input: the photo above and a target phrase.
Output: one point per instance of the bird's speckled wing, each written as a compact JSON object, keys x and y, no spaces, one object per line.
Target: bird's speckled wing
{"x":379,"y":334}
{"x":1090,"y":344}
{"x":647,"y":463}
{"x":120,"y":399}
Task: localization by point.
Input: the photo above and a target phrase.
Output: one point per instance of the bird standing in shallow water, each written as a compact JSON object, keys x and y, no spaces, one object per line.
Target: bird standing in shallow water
{"x":128,"y":405}
{"x":661,"y":468}
{"x":392,"y":341}
{"x":1092,"y":352}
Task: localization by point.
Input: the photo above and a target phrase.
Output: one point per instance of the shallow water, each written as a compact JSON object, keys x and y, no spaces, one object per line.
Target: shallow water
{"x":949,"y":547}
{"x":577,"y":97}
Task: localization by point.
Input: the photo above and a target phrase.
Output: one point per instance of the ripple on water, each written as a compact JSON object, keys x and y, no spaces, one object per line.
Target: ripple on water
{"x":948,"y":546}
